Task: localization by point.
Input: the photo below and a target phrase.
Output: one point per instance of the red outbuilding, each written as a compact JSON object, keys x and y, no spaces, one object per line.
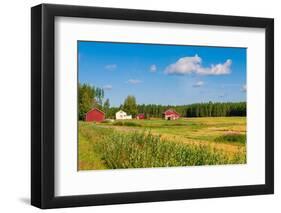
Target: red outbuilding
{"x":140,"y":116}
{"x":171,"y":114}
{"x":95,"y":115}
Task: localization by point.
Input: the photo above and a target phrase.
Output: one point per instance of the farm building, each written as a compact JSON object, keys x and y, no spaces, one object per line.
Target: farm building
{"x":140,"y":116}
{"x":95,"y":115}
{"x":121,"y":115}
{"x":171,"y":114}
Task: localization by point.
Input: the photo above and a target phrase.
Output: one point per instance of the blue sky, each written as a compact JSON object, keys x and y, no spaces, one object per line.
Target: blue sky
{"x":163,"y":74}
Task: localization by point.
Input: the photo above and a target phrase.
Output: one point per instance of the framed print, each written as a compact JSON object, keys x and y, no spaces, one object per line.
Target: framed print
{"x":139,"y":106}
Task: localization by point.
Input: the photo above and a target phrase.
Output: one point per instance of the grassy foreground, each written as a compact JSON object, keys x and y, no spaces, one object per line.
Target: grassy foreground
{"x":159,"y":143}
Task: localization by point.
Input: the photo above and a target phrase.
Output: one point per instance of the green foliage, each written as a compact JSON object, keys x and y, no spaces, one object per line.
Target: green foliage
{"x":89,"y":157}
{"x":106,"y":107}
{"x":209,"y":109}
{"x":89,"y":97}
{"x":125,"y":123}
{"x":232,"y":137}
{"x":106,"y":121}
{"x":86,"y":96}
{"x":144,"y":150}
{"x":99,"y":95}
{"x":130,"y":105}
{"x":111,"y":112}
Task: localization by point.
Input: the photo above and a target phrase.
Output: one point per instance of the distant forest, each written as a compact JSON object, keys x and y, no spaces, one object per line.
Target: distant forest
{"x":90,"y":97}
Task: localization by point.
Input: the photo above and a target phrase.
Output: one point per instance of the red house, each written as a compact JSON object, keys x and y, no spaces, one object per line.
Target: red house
{"x":140,"y":116}
{"x":171,"y":114}
{"x":95,"y":115}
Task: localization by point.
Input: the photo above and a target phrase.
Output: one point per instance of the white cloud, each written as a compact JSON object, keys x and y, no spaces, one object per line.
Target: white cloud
{"x":244,"y":88}
{"x":153,"y":68}
{"x":198,"y":84}
{"x":217,"y":69}
{"x":107,"y":87}
{"x":193,"y":64}
{"x":184,"y":65}
{"x":110,"y":66}
{"x":134,"y":81}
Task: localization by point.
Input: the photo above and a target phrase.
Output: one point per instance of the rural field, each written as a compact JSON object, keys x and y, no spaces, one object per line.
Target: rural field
{"x":162,"y":143}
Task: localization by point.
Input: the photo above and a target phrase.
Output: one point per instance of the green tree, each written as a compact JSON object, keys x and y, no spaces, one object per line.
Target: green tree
{"x":89,"y":97}
{"x":86,"y":99}
{"x":130,"y":105}
{"x":99,"y":95}
{"x":106,"y":107}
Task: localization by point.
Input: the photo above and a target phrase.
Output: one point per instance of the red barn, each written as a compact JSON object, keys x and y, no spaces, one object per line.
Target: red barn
{"x":140,"y":116}
{"x":171,"y":114}
{"x":95,"y":115}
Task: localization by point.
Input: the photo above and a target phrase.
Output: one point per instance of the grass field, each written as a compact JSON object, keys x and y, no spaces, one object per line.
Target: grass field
{"x":161,"y":143}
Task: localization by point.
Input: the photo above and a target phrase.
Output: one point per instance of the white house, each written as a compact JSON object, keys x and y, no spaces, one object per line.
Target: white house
{"x":121,"y":115}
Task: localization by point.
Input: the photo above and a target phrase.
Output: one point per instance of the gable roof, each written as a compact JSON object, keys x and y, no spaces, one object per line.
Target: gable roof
{"x":96,"y":110}
{"x":121,"y":111}
{"x":170,"y":111}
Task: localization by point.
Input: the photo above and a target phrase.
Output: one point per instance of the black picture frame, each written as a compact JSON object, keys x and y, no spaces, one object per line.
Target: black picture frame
{"x":43,"y":101}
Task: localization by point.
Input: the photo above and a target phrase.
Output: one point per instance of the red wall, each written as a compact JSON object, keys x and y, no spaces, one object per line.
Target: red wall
{"x":140,"y":116}
{"x":95,"y":115}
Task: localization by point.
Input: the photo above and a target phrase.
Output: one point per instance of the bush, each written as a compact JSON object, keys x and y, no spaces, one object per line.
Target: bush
{"x":232,"y":137}
{"x":125,"y":123}
{"x":107,"y":121}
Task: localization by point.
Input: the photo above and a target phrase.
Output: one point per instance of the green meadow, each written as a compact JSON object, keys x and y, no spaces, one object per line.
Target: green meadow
{"x":162,"y":143}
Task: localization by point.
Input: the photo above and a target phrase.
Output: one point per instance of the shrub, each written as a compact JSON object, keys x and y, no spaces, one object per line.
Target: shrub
{"x":232,"y":137}
{"x":125,"y":123}
{"x":108,"y":121}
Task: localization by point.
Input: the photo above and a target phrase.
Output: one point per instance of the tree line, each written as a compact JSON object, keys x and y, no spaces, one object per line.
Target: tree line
{"x":93,"y":97}
{"x":210,"y":109}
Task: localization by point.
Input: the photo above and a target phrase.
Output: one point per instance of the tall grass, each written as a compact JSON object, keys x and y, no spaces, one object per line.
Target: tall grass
{"x":89,"y":156}
{"x":144,"y":150}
